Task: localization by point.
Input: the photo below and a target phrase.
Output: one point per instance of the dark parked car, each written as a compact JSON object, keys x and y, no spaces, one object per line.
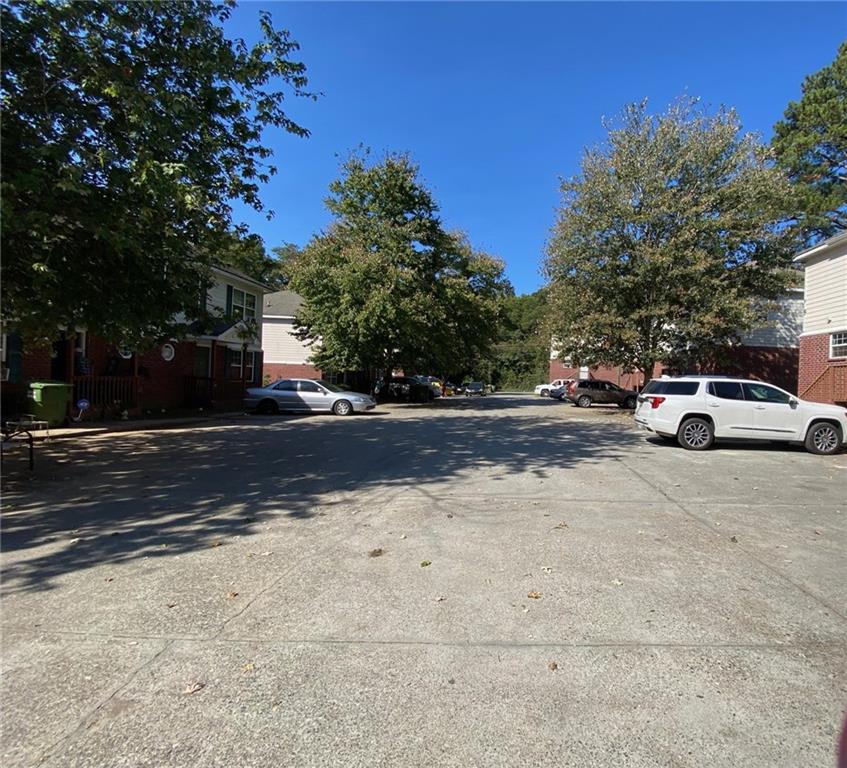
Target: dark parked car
{"x":403,"y":389}
{"x":585,"y":392}
{"x":475,"y":388}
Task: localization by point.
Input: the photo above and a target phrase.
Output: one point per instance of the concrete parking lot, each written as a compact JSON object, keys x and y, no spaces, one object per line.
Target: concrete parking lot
{"x":505,"y":581}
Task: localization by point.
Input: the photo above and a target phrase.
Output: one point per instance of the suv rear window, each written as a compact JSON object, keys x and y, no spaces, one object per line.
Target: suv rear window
{"x":660,"y":387}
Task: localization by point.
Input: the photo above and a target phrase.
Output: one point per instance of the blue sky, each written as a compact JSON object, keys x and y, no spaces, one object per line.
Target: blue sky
{"x":496,"y":101}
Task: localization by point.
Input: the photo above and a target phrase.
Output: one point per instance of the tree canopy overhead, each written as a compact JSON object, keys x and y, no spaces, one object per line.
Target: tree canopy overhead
{"x":666,"y":239}
{"x":128,"y":130}
{"x":811,"y":146}
{"x":386,"y":285}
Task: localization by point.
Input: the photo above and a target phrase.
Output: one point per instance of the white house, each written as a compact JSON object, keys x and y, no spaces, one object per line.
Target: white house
{"x":284,"y":354}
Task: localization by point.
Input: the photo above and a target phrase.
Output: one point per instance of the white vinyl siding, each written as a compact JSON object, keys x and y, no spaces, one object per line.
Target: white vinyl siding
{"x":826,"y":292}
{"x":783,"y":328}
{"x":280,"y":345}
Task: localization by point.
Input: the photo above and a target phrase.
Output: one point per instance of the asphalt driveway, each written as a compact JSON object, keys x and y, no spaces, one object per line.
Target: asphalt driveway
{"x":506,"y":581}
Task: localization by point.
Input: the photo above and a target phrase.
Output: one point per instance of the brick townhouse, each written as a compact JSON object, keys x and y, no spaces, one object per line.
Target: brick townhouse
{"x":209,"y":368}
{"x":770,"y":352}
{"x":823,"y":342}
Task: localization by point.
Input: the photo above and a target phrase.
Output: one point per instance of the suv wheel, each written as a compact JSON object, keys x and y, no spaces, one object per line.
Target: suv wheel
{"x":629,"y":403}
{"x":696,"y":434}
{"x":583,"y":401}
{"x":544,"y":393}
{"x":823,"y":438}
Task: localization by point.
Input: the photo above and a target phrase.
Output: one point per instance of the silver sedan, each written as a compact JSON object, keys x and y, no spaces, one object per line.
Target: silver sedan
{"x":306,"y":395}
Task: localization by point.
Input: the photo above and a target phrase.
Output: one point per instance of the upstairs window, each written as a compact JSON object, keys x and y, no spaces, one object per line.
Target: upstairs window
{"x":838,"y":344}
{"x":243,"y":304}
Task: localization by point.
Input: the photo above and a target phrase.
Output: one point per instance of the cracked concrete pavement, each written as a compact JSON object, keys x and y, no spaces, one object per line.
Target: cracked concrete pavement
{"x":506,"y":581}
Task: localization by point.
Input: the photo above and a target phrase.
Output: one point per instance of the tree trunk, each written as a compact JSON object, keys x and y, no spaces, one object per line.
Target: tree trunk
{"x":647,"y":371}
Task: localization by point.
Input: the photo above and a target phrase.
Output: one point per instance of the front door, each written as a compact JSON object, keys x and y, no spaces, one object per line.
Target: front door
{"x":59,"y":359}
{"x":201,"y":362}
{"x":314,"y":397}
{"x":773,"y":415}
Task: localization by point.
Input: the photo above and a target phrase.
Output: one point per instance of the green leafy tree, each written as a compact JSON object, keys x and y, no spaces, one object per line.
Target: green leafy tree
{"x":386,"y":286}
{"x":521,"y":356}
{"x":666,"y":240}
{"x":811,"y":146}
{"x":128,"y":130}
{"x":246,"y":253}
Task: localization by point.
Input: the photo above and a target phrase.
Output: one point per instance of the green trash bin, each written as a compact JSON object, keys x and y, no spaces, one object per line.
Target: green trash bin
{"x":48,"y":400}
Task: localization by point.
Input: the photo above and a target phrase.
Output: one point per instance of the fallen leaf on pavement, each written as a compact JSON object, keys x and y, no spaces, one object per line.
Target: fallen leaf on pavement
{"x":232,"y":595}
{"x":193,"y":688}
{"x":110,"y":578}
{"x":534,"y":595}
{"x":402,"y":535}
{"x":559,"y":525}
{"x":617,"y":582}
{"x":440,"y":599}
{"x":248,"y":667}
{"x":546,"y":569}
{"x":734,"y":539}
{"x":425,"y":563}
{"x":215,"y":544}
{"x":376,"y":552}
{"x":171,"y":605}
{"x":552,"y":666}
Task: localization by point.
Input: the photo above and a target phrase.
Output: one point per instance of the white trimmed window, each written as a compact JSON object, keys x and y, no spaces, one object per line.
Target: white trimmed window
{"x":838,"y":344}
{"x":237,"y":359}
{"x":243,"y":304}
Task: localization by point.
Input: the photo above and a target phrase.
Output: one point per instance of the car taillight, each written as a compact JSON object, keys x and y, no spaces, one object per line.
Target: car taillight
{"x":572,"y":387}
{"x":655,"y":401}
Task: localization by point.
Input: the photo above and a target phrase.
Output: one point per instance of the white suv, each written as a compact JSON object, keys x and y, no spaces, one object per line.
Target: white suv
{"x":696,"y":410}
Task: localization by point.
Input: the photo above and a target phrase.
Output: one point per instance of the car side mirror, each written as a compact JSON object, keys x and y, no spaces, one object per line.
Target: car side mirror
{"x":793,"y":402}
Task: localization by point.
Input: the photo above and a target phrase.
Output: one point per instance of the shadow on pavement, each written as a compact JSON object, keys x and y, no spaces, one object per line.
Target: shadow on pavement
{"x":160,"y":494}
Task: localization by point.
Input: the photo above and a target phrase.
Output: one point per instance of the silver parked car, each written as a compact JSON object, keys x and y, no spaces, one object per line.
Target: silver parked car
{"x":306,"y":395}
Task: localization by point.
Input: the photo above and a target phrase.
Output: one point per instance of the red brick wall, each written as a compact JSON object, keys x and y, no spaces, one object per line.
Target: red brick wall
{"x":290,"y":370}
{"x":626,"y":380}
{"x":775,"y":365}
{"x":35,"y":361}
{"x":161,"y":384}
{"x":821,"y":379}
